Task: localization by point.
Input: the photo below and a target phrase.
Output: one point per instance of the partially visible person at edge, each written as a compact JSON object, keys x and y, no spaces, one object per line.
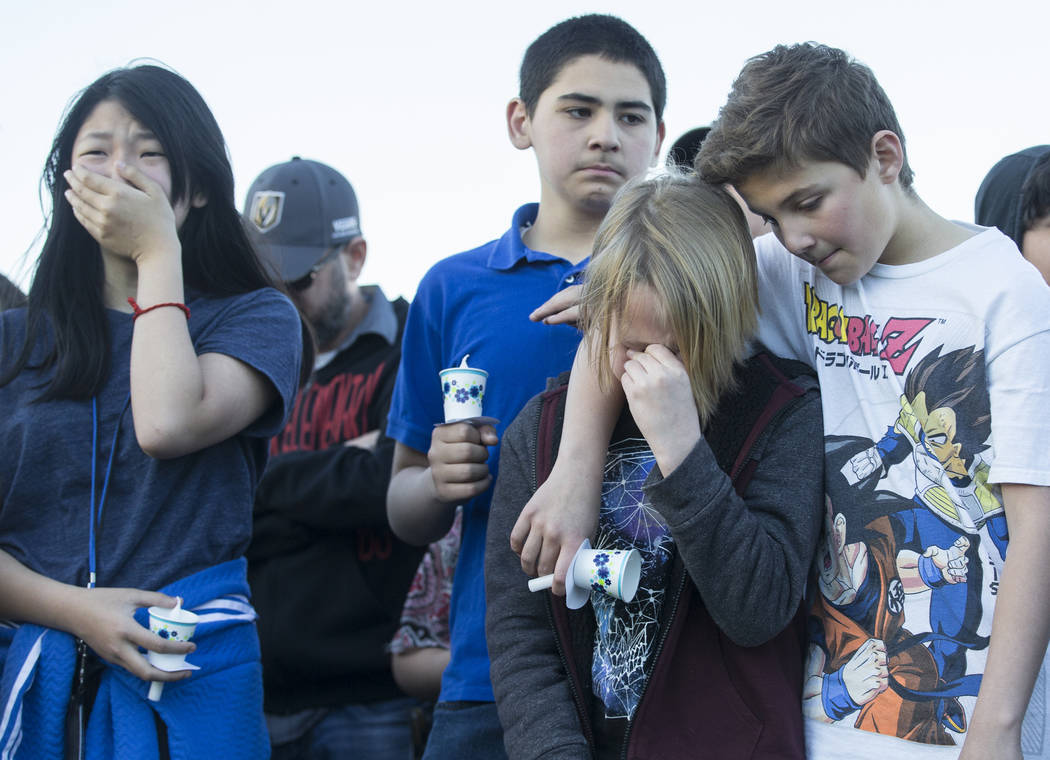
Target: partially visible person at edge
{"x":590,"y":105}
{"x":682,"y":156}
{"x":931,"y":339}
{"x":420,"y":648}
{"x":328,"y":576}
{"x":703,"y":661}
{"x":1015,"y":197}
{"x":140,"y":388}
{"x":11,"y":296}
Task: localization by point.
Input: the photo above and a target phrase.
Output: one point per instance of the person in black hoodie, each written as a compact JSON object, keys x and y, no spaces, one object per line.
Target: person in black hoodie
{"x":1015,"y":197}
{"x":328,"y":576}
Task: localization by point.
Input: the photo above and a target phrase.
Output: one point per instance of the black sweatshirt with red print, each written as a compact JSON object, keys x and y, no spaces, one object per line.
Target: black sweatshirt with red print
{"x":328,"y":576}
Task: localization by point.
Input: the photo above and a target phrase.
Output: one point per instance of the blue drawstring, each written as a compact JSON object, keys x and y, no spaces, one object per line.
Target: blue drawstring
{"x":96,"y":519}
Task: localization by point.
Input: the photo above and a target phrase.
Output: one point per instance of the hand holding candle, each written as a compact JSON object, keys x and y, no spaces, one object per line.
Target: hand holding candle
{"x":613,"y":571}
{"x":175,"y":624}
{"x":463,"y":391}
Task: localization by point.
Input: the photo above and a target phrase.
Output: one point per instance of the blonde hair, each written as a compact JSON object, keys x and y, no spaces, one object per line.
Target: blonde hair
{"x":689,"y":242}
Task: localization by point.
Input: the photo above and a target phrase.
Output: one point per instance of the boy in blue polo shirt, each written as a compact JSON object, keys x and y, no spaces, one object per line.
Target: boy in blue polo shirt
{"x":590,"y":105}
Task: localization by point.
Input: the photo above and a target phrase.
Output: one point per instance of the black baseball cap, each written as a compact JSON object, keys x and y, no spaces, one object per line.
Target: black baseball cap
{"x":298,"y":210}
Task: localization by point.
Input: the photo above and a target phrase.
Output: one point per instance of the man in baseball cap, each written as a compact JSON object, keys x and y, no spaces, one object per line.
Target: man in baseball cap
{"x":328,"y":576}
{"x":301,"y":215}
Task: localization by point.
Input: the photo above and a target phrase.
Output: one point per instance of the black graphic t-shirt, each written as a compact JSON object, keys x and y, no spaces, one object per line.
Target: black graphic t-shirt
{"x":626,"y":633}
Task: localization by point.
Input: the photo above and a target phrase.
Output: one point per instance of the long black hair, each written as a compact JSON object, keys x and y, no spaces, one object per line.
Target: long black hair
{"x":217,"y":256}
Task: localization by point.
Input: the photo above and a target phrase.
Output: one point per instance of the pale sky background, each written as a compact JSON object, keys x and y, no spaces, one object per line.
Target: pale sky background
{"x":407,"y":99}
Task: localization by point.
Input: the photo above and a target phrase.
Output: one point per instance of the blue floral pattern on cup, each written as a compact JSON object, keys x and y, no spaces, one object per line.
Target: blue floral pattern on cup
{"x":601,"y":577}
{"x":463,"y":392}
{"x":474,"y":392}
{"x":172,"y":633}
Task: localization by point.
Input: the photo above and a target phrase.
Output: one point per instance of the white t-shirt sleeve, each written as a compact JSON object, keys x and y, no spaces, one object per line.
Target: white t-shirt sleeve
{"x":779,"y":285}
{"x":1017,"y":355}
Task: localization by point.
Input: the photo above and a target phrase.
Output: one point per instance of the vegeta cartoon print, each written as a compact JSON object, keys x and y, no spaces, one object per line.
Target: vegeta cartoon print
{"x":952,"y":519}
{"x":944,"y":424}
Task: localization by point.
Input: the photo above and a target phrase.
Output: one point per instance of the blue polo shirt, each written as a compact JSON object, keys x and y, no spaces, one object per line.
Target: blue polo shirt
{"x":478,"y":303}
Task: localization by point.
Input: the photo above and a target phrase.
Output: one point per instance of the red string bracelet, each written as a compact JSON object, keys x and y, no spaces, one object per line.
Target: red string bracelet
{"x":140,"y":311}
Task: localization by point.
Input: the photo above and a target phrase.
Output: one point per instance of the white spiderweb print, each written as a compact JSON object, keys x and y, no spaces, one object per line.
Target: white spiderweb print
{"x":626,"y":632}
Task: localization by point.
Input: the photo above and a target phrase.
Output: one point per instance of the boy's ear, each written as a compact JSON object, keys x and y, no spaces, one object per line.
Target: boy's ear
{"x":886,"y":148}
{"x":518,"y":124}
{"x":661,"y":132}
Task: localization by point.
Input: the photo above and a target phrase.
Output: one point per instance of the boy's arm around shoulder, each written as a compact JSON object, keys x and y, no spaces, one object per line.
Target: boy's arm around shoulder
{"x":749,"y":557}
{"x":564,"y":510}
{"x":1020,"y":628}
{"x":531,"y":687}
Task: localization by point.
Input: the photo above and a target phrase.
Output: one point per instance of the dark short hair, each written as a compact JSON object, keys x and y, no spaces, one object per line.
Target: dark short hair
{"x":1035,"y":193}
{"x":606,"y":36}
{"x":683,"y":152}
{"x":797,"y":103}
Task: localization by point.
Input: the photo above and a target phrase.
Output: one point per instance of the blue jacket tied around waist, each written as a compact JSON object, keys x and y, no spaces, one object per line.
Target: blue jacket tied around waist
{"x":219,"y":706}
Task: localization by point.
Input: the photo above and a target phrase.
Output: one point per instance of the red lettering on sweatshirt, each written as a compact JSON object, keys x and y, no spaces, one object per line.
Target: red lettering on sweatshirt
{"x":326,"y":415}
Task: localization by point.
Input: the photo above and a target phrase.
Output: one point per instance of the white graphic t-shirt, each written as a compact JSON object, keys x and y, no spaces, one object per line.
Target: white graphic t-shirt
{"x":934,"y":381}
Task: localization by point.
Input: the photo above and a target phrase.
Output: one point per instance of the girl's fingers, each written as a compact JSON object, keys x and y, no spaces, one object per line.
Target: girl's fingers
{"x":520,"y":533}
{"x":663,"y":354}
{"x":141,"y":636}
{"x":548,"y":558}
{"x":627,"y":382}
{"x":87,"y":224}
{"x":639,"y":367}
{"x":160,"y":675}
{"x":80,"y":192}
{"x":657,"y":351}
{"x":153,"y":599}
{"x":80,"y":206}
{"x":139,"y":179}
{"x":530,"y":552}
{"x":137,"y":664}
{"x":155,"y":643}
{"x":657,"y":364}
{"x":89,"y":186}
{"x":93,"y":185}
{"x":561,"y":569}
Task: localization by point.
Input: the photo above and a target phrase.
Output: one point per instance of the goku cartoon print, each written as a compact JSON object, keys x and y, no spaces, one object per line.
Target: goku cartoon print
{"x":912,"y":529}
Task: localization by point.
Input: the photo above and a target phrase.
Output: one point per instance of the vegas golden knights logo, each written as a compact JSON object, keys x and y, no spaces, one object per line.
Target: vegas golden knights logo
{"x":267,"y":207}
